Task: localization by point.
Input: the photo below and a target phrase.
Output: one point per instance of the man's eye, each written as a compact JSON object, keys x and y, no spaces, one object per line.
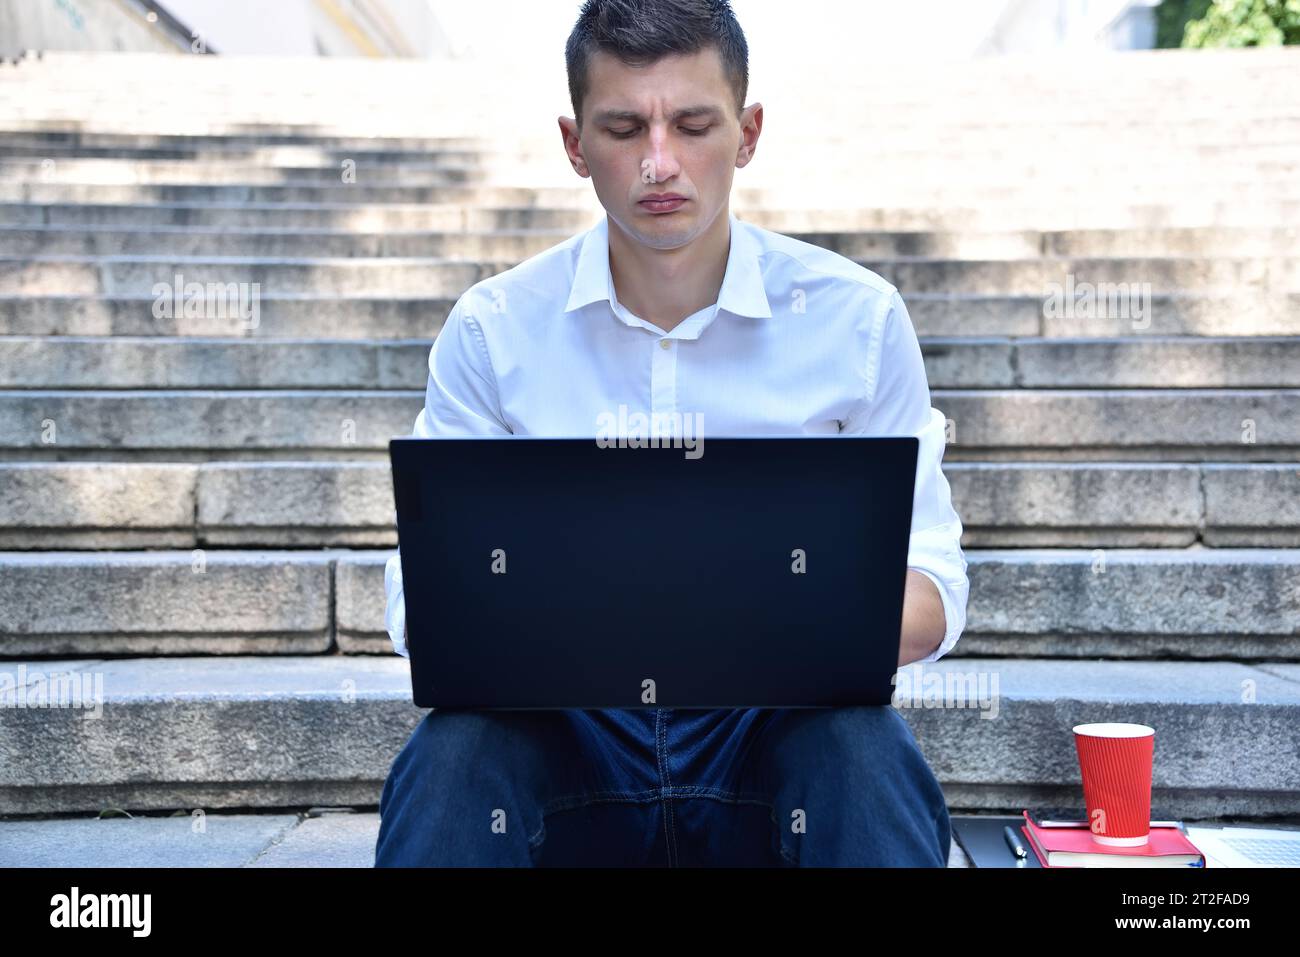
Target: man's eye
{"x":689,"y":130}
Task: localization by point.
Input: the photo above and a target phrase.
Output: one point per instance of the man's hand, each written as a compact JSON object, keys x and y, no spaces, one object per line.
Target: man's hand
{"x":924,"y":621}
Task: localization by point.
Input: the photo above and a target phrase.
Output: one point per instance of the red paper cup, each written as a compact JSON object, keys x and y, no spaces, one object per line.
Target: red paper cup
{"x":1115,"y":761}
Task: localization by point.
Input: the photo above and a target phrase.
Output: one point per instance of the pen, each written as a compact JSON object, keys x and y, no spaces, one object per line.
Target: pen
{"x":1013,"y":841}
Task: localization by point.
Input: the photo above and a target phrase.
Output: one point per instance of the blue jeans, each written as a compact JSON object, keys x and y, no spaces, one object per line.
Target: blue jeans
{"x":663,"y":787}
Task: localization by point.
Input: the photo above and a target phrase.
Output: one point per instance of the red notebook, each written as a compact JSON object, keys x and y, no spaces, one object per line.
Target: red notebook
{"x":1074,"y":847}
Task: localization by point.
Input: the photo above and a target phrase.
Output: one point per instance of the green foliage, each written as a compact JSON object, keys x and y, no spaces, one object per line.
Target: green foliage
{"x":1246,"y":23}
{"x":1172,"y":17}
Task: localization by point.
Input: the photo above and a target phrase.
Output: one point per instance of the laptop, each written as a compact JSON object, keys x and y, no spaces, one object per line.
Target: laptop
{"x":569,"y":573}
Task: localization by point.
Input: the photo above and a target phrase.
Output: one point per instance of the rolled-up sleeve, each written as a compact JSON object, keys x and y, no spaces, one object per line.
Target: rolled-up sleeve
{"x":897,"y":402}
{"x":460,"y":398}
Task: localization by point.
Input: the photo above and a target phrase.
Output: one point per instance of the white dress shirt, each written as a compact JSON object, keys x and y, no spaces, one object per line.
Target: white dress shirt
{"x":800,"y":341}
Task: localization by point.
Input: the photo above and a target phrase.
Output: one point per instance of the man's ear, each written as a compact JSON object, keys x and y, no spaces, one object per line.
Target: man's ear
{"x":573,"y":145}
{"x":751,"y":125}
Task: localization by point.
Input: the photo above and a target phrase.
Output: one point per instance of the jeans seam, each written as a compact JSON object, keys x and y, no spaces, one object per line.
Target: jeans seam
{"x":665,"y":781}
{"x":743,"y":797}
{"x":577,"y":801}
{"x":574,"y":801}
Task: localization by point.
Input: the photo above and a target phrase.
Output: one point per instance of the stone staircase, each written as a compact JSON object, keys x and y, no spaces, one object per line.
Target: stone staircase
{"x":196,"y":505}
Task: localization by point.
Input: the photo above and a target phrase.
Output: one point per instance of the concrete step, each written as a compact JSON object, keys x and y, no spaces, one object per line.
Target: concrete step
{"x":204,"y":425}
{"x":311,"y":193}
{"x":1174,"y":425}
{"x":1054,"y":505}
{"x":519,"y":244}
{"x":306,"y":316}
{"x":115,"y":505}
{"x":1073,"y":174}
{"x":242,"y":732}
{"x":1070,"y":243}
{"x":418,"y":171}
{"x":1110,"y":283}
{"x":1122,"y":424}
{"x":511,"y":245}
{"x":262,"y":216}
{"x":1068,"y":276}
{"x":1241,"y":314}
{"x":306,"y":150}
{"x":1066,"y":603}
{"x":1265,"y":150}
{"x":267,"y":137}
{"x":47,"y":107}
{"x":173,"y":602}
{"x":303,"y":151}
{"x":316,"y":837}
{"x":139,"y":275}
{"x":413,"y":125}
{"x":779,"y":194}
{"x":213,"y":363}
{"x":988,"y":158}
{"x":154,"y":362}
{"x":1137,"y":362}
{"x":1102,"y":213}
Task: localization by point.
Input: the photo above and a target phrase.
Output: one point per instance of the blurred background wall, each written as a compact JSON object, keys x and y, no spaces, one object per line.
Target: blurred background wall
{"x":537,"y":28}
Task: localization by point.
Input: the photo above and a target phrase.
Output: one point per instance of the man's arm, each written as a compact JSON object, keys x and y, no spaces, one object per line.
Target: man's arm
{"x":924,"y":621}
{"x":460,"y":398}
{"x":898,"y":403}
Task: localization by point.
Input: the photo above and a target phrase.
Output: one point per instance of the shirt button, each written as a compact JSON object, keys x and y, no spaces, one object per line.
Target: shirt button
{"x":665,"y":343}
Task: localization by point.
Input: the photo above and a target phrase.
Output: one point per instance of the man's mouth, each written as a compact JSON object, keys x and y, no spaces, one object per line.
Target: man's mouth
{"x":661,"y":202}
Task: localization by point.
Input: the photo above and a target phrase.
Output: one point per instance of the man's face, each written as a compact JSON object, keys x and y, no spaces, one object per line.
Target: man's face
{"x":668,"y":128}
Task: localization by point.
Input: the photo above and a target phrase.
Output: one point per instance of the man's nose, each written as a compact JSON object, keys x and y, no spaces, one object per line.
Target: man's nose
{"x":660,"y":163}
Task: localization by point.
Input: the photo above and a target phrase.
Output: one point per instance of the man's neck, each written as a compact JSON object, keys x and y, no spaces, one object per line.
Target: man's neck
{"x":664,"y":286}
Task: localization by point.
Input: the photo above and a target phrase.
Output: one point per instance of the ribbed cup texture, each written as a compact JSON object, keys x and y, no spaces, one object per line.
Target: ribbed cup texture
{"x":1117,"y":779}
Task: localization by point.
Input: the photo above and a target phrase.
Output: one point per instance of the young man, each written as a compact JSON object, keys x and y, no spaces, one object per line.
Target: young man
{"x":671,"y":304}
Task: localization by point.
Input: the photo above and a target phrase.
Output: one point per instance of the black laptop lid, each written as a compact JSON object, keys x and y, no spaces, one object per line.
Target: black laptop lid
{"x":557,"y":573}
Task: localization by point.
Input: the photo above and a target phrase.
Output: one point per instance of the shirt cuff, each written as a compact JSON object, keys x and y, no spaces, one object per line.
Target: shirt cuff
{"x":395,"y":611}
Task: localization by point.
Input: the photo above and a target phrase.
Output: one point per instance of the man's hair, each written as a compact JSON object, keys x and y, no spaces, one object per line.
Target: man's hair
{"x":639,"y":32}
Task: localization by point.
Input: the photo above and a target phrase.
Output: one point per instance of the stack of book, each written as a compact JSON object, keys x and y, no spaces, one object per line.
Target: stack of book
{"x":1073,"y":846}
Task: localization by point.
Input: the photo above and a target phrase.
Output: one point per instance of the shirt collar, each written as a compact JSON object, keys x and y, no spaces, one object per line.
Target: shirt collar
{"x":742,"y":292}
